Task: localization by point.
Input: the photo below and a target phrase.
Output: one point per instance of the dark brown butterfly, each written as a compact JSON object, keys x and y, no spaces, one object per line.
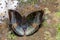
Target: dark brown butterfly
{"x":25,"y":25}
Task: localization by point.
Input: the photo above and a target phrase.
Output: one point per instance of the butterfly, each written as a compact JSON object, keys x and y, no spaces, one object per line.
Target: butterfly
{"x":25,"y":25}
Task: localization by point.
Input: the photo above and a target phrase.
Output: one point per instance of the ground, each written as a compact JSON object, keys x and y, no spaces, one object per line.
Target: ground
{"x":50,"y":29}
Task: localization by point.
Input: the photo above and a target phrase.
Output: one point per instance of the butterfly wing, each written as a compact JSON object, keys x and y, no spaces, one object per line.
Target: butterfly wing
{"x":34,"y":20}
{"x":15,"y":20}
{"x":32,"y":23}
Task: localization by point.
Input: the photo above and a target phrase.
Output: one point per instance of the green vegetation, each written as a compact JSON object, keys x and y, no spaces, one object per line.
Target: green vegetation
{"x":11,"y":36}
{"x":45,"y":23}
{"x":57,"y":14}
{"x":58,"y":32}
{"x":58,"y":27}
{"x":28,"y":1}
{"x":47,"y":35}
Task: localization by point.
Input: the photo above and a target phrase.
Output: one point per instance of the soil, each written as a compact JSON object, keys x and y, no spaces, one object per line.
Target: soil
{"x":46,"y":32}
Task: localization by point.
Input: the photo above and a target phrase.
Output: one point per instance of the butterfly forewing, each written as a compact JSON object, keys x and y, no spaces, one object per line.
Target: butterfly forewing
{"x":15,"y":18}
{"x":33,"y":18}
